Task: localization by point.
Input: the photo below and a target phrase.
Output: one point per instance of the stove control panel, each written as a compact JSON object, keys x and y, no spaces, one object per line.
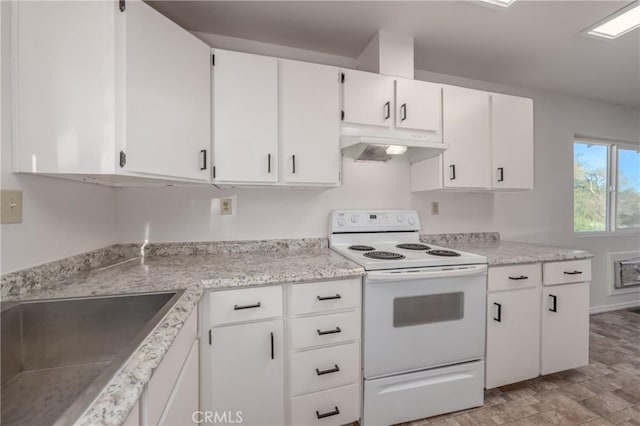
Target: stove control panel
{"x":342,"y":221}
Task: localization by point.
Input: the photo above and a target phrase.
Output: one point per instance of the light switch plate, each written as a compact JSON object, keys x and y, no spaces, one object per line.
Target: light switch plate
{"x":10,"y":206}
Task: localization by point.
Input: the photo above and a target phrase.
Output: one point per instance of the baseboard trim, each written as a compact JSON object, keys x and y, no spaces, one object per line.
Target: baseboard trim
{"x":614,"y":307}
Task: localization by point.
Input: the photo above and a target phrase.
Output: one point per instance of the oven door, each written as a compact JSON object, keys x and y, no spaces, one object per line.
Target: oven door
{"x":423,"y":318}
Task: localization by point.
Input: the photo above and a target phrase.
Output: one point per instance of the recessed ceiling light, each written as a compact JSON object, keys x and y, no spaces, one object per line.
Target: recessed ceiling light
{"x":501,"y":3}
{"x":621,"y":22}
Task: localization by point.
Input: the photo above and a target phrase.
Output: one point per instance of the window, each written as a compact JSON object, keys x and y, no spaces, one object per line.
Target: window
{"x":628,"y":193}
{"x":606,"y":187}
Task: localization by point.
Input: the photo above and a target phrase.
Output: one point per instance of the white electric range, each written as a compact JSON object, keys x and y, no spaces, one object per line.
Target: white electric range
{"x":423,"y":317}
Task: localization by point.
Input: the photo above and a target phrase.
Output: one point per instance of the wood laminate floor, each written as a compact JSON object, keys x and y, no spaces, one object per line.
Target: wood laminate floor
{"x":605,"y":392}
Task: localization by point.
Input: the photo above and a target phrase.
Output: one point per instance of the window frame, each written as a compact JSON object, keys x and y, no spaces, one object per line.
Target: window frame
{"x":611,"y":207}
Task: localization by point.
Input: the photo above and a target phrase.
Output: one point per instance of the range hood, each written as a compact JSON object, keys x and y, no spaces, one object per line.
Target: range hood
{"x":371,"y":145}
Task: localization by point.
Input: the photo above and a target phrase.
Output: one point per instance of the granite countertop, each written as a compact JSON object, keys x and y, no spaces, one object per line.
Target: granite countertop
{"x":195,"y":270}
{"x":499,"y":252}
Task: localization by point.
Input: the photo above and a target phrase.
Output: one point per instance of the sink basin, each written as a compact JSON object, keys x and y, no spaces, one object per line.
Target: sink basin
{"x":57,"y":355}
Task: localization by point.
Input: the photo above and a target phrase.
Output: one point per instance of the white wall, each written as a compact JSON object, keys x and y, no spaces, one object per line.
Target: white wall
{"x":60,"y":218}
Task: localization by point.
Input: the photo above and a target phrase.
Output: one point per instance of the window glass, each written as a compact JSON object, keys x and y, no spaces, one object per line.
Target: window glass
{"x":590,"y":187}
{"x":628,"y":208}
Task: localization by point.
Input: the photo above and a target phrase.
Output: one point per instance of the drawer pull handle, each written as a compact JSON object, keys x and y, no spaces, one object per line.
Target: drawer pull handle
{"x":499,"y":312}
{"x":572,"y":272}
{"x":335,"y":412}
{"x":521,"y":277}
{"x":337,"y":296}
{"x":322,"y":333}
{"x":554,"y":306}
{"x":238,"y":308}
{"x":335,"y":369}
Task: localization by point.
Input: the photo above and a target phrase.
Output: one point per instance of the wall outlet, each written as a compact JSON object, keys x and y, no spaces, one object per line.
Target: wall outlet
{"x":435,"y":207}
{"x":226,"y":206}
{"x":11,"y":206}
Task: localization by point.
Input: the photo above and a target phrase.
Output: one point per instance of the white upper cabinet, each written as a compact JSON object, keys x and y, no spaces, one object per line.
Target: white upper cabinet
{"x":117,"y":94}
{"x":167,"y":96}
{"x":512,"y":127}
{"x":368,"y":98}
{"x":490,"y":139}
{"x":466,"y":128}
{"x":418,"y":105}
{"x":309,"y":109}
{"x":245,"y":117}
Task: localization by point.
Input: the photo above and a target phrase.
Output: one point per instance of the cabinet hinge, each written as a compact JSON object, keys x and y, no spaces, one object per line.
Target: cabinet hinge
{"x":213,"y":60}
{"x":123,"y":159}
{"x":342,"y":115}
{"x":341,"y":77}
{"x":214,"y":171}
{"x":122,"y":5}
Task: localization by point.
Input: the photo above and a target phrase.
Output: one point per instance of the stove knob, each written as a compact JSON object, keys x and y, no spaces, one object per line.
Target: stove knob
{"x":412,"y":221}
{"x":400,"y":218}
{"x":354,"y":218}
{"x":342,"y":222}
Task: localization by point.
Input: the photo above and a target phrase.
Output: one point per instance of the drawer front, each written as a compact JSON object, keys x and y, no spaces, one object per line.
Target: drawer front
{"x":230,"y":306}
{"x":514,"y":277}
{"x":325,"y":296}
{"x":573,"y":271}
{"x":326,"y":368}
{"x":325,"y":329}
{"x":328,"y":408}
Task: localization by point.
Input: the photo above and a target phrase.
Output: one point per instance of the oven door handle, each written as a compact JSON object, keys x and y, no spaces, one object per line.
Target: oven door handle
{"x":418,"y":274}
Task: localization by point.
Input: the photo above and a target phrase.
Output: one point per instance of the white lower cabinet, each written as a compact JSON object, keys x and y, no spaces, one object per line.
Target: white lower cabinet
{"x":513,"y":336}
{"x":565,"y":327}
{"x":537,"y":320}
{"x":325,"y":376}
{"x":246,"y":378}
{"x":267,"y":362}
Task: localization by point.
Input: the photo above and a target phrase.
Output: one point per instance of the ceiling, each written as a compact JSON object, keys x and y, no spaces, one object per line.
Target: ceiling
{"x":532,"y":44}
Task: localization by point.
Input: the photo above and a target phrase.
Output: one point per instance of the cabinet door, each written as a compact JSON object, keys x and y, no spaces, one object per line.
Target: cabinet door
{"x":64,"y":92}
{"x":247,"y":372}
{"x":419,"y":106}
{"x":565,"y":327}
{"x":245,"y":117}
{"x":183,"y":401}
{"x":466,"y":121}
{"x":168,"y":77}
{"x":309,"y":122}
{"x":367,"y":98}
{"x":513,"y":336}
{"x":512,"y":127}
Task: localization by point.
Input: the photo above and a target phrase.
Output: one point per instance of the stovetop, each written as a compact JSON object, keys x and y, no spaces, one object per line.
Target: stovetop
{"x":387,"y":239}
{"x":404,"y":258}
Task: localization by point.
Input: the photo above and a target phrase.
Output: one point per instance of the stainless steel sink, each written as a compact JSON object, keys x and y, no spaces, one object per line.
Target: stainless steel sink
{"x":57,"y":355}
